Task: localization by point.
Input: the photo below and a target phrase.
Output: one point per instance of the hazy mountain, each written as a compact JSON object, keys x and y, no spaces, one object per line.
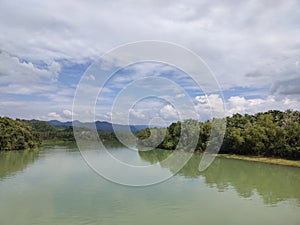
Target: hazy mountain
{"x":100,"y":125}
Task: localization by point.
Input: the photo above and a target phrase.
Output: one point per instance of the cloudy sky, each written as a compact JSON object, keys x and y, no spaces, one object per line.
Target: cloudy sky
{"x":253,"y":48}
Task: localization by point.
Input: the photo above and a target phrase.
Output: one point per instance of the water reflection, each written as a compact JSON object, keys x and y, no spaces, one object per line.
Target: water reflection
{"x":12,"y":162}
{"x":273,"y":183}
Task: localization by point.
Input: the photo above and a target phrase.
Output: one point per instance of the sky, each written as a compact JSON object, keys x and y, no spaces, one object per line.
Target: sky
{"x":252,"y":47}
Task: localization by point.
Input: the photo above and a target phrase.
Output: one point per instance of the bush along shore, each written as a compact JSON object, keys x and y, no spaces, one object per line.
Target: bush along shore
{"x":272,"y":134}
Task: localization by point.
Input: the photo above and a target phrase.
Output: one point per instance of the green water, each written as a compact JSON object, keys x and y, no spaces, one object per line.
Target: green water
{"x":55,"y":186}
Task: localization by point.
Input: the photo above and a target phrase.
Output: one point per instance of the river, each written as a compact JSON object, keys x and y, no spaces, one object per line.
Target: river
{"x":56,"y":186}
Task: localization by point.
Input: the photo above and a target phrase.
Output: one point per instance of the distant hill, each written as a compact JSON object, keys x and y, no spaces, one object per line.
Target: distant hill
{"x":100,"y":125}
{"x":16,"y":134}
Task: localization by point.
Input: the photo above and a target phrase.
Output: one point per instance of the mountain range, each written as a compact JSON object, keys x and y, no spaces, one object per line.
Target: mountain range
{"x":100,"y":125}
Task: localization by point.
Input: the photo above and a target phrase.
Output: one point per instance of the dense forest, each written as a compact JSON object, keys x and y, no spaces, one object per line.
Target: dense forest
{"x":27,"y":134}
{"x":24,"y":134}
{"x":17,"y":135}
{"x":270,"y":134}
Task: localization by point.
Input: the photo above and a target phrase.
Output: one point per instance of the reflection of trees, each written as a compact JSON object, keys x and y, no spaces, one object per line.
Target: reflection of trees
{"x":14,"y":161}
{"x":155,"y":155}
{"x":273,"y":183}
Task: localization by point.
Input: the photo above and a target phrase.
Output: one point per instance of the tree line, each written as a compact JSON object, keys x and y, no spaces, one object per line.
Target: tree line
{"x":270,"y":134}
{"x":28,"y":134}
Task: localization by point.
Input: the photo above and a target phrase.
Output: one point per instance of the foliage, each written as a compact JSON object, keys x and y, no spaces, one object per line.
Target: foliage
{"x":27,"y":134}
{"x":50,"y":132}
{"x":16,"y":135}
{"x":270,"y":134}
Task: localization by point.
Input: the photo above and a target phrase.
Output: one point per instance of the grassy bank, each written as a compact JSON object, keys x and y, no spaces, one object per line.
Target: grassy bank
{"x":276,"y":161}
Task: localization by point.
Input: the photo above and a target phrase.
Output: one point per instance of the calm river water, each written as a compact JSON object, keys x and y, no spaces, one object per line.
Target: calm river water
{"x":56,"y":186}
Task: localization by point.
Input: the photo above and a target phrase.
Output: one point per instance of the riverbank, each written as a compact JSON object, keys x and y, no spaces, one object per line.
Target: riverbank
{"x":276,"y":161}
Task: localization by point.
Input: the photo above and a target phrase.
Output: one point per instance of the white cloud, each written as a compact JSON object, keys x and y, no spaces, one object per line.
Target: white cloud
{"x":90,"y":77}
{"x":32,"y":108}
{"x":209,"y":105}
{"x":180,"y":95}
{"x":169,"y":113}
{"x":137,"y":114}
{"x":67,"y":113}
{"x":241,"y":105}
{"x":25,"y":71}
{"x":18,"y":77}
{"x":246,"y":43}
{"x":237,"y":104}
{"x":234,"y":44}
{"x":54,"y":116}
{"x":23,"y":89}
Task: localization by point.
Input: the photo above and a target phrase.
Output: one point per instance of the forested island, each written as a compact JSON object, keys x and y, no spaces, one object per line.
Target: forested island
{"x":269,"y":134}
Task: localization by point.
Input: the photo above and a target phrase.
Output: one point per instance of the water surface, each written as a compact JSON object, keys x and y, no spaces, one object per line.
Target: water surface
{"x":56,"y":186}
